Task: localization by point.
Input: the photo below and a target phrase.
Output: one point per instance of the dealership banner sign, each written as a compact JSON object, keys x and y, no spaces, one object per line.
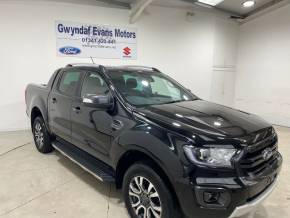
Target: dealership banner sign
{"x":100,"y":41}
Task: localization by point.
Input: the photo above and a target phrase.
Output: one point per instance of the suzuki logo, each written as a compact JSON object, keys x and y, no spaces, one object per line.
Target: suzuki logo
{"x":127,"y":51}
{"x":267,"y":153}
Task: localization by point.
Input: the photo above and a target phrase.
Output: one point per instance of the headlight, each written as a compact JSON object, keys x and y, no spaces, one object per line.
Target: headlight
{"x":215,"y":157}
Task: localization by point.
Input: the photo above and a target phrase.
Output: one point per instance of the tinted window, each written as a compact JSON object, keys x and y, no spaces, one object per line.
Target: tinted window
{"x":94,"y":85}
{"x":69,"y":82}
{"x":148,"y":88}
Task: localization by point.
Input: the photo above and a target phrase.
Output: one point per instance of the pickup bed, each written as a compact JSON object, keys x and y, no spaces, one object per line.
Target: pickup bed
{"x":172,"y":153}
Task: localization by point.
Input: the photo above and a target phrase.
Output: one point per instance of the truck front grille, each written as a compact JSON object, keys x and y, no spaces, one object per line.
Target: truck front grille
{"x":253,"y":162}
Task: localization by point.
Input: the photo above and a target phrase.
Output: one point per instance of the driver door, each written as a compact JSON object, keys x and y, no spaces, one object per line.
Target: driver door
{"x":91,"y":127}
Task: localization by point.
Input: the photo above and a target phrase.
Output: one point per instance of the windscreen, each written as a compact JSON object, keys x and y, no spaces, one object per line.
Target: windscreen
{"x":142,"y":88}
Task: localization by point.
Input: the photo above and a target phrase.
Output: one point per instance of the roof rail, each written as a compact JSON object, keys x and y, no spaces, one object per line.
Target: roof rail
{"x":138,"y":67}
{"x":155,"y":69}
{"x":82,"y":65}
{"x":141,"y":67}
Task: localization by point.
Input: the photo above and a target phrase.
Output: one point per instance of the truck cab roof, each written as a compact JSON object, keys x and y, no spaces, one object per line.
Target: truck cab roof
{"x":114,"y":68}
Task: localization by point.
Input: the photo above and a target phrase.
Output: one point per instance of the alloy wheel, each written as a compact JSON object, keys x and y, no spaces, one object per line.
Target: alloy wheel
{"x":144,"y":198}
{"x":39,"y":135}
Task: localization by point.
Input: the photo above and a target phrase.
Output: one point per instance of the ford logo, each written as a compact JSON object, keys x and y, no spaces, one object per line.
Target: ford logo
{"x":267,"y":153}
{"x":68,"y":50}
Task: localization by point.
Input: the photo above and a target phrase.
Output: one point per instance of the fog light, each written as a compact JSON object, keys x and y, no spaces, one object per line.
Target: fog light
{"x":211,"y":197}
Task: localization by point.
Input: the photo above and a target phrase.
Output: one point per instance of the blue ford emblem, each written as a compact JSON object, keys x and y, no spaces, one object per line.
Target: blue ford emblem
{"x":68,"y":50}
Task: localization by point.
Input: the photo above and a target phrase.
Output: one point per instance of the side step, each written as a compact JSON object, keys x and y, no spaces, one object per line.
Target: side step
{"x":89,"y":163}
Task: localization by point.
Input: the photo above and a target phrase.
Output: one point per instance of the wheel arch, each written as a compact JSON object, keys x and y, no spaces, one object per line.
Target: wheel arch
{"x":133,"y":156}
{"x":35,"y":112}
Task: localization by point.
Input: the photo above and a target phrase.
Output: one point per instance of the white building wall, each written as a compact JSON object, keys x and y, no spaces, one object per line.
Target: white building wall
{"x":263,"y":73}
{"x":224,"y":62}
{"x":166,"y":40}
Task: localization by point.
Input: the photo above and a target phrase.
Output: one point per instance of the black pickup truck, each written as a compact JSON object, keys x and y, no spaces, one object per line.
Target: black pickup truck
{"x":172,"y":153}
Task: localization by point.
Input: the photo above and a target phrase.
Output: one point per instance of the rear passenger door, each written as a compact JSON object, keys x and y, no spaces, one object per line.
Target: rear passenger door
{"x":60,"y":102}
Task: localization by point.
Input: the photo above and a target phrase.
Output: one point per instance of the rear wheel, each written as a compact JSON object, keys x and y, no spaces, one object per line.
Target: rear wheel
{"x":41,"y":136}
{"x":146,"y":195}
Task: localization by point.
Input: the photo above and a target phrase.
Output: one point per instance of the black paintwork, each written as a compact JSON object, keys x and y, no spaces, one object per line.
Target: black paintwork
{"x":86,"y":160}
{"x":159,"y":132}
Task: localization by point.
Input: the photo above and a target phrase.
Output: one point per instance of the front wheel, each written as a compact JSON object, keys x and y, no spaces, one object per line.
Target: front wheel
{"x":41,"y":136}
{"x":146,"y":195}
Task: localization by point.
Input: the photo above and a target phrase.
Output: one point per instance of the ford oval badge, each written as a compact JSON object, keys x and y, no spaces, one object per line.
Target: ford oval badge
{"x":267,"y":153}
{"x":69,"y":50}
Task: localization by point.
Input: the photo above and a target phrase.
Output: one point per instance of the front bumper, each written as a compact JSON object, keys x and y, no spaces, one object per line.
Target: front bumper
{"x":252,"y":205}
{"x":243,"y":194}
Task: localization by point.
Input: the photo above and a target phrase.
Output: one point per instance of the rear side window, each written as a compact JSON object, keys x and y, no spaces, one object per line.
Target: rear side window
{"x":69,"y":82}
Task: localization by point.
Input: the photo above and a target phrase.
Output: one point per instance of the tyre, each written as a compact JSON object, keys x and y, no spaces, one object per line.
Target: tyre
{"x":146,"y":195}
{"x":41,"y":136}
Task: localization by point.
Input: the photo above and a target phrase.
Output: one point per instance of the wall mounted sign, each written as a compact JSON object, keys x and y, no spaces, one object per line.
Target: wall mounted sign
{"x":100,"y":41}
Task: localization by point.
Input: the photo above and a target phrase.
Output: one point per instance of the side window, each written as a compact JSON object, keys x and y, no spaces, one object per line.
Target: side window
{"x":69,"y":82}
{"x":94,"y":85}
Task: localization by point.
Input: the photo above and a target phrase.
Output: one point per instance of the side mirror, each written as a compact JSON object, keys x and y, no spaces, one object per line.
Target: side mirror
{"x":98,"y":101}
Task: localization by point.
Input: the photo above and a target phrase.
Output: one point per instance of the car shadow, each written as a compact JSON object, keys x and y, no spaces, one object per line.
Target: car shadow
{"x":107,"y":189}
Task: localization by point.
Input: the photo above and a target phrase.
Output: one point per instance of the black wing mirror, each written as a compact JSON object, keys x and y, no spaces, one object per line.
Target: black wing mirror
{"x":98,"y":101}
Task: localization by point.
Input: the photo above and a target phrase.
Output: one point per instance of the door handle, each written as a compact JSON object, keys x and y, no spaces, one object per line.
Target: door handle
{"x":117,"y":125}
{"x":77,"y":109}
{"x":53,"y":100}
